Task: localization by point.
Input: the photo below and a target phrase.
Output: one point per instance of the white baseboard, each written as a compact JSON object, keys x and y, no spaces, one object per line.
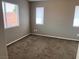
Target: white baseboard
{"x":56,"y":37}
{"x":41,"y":35}
{"x":17,"y":40}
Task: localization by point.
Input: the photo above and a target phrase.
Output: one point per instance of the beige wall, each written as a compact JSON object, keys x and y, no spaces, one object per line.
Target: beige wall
{"x":3,"y":49}
{"x":12,"y":34}
{"x":58,"y":19}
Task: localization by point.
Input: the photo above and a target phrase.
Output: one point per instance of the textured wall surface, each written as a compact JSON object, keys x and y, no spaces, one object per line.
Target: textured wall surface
{"x":14,"y":33}
{"x":37,"y":47}
{"x":3,"y":49}
{"x":58,"y":18}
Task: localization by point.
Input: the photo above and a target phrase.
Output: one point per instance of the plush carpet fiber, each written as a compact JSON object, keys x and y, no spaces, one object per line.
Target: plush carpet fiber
{"x":38,"y":47}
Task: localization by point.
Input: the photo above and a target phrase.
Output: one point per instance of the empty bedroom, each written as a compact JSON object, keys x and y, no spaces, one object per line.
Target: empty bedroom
{"x":39,"y":29}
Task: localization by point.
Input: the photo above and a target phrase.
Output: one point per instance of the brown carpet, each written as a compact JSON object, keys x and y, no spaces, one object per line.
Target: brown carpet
{"x":38,"y":47}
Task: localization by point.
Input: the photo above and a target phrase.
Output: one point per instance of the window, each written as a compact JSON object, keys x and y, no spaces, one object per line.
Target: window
{"x":11,"y":15}
{"x":76,"y":17}
{"x":39,"y":15}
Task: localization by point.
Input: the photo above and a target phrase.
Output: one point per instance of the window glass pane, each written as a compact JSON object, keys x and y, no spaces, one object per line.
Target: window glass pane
{"x":11,"y":15}
{"x":39,"y":15}
{"x":76,"y":17}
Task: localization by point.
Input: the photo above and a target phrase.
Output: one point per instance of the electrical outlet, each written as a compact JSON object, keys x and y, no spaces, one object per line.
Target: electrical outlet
{"x":35,"y":30}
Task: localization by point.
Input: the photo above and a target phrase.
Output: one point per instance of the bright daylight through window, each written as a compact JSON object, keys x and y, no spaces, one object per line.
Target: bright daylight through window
{"x":76,"y":17}
{"x":39,"y":15}
{"x":11,"y":14}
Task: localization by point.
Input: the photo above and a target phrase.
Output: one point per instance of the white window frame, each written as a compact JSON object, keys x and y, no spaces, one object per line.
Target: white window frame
{"x":76,"y":17}
{"x":39,"y":21}
{"x":4,"y":15}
